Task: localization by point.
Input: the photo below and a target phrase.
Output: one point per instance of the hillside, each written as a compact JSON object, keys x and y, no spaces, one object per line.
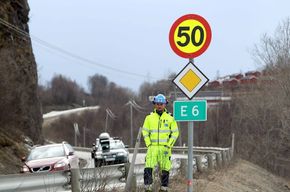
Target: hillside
{"x":20,"y":113}
{"x":241,"y":176}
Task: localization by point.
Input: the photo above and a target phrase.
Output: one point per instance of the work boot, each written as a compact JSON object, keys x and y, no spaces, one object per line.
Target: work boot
{"x":163,"y":189}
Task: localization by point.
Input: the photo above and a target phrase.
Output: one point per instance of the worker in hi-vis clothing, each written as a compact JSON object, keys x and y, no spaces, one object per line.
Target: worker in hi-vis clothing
{"x":160,"y":132}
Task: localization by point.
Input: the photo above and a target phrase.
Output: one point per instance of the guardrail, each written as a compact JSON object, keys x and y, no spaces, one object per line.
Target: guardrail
{"x":34,"y":182}
{"x":205,"y":158}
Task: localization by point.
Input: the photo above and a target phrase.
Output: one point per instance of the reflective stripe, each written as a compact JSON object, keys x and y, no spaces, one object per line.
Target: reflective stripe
{"x":173,"y":137}
{"x":160,"y":131}
{"x":160,"y":140}
{"x":175,"y":130}
{"x":145,"y":129}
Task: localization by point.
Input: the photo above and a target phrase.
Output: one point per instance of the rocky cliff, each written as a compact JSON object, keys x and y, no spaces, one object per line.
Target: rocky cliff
{"x":20,"y":113}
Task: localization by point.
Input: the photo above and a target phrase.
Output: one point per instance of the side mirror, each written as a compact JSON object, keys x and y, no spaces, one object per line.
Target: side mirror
{"x":126,"y":146}
{"x":70,"y":153}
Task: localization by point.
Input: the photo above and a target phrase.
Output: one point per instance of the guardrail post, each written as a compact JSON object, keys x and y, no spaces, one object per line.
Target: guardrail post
{"x":228,"y":155}
{"x":219,"y":159}
{"x":210,"y":161}
{"x":183,"y":166}
{"x":224,"y":157}
{"x":199,"y":163}
{"x":233,"y":145}
{"x":75,"y":180}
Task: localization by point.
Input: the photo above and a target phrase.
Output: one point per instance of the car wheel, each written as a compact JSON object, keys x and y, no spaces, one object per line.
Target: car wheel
{"x":98,"y":163}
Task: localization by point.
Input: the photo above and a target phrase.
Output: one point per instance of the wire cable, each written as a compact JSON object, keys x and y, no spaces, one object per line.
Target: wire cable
{"x":72,"y":55}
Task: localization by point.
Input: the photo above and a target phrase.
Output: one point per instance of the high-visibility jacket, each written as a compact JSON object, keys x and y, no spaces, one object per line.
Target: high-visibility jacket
{"x":160,"y":130}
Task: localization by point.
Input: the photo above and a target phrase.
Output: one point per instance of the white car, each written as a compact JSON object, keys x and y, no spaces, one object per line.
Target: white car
{"x":108,"y":150}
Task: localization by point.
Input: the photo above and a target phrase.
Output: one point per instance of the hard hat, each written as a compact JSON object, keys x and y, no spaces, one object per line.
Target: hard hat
{"x":160,"y":98}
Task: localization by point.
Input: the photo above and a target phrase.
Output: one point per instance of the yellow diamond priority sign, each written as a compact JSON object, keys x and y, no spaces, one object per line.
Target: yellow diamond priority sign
{"x":190,"y":80}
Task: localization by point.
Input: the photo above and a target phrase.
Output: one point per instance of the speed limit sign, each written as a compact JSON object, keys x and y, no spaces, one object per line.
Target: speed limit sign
{"x":190,"y":36}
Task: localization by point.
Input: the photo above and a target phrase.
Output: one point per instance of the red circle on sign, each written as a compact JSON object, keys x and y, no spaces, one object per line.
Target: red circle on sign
{"x":177,"y":23}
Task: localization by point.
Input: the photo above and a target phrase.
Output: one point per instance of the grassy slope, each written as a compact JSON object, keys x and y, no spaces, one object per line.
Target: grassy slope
{"x":241,"y":176}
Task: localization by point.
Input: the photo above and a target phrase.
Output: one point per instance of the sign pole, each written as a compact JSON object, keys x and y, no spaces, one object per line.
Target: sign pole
{"x":189,"y":37}
{"x":190,"y":157}
{"x":190,"y":153}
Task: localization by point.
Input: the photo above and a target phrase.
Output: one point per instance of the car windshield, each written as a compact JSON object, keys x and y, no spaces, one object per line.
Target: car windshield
{"x":116,"y":144}
{"x":46,"y":152}
{"x":111,"y":144}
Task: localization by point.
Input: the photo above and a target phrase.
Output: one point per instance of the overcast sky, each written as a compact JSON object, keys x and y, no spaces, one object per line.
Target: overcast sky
{"x":127,"y":41}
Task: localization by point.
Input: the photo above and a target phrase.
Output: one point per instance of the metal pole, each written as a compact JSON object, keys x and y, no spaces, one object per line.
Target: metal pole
{"x":190,"y":153}
{"x":84,"y":137}
{"x":75,"y":139}
{"x":190,"y":157}
{"x":131,"y":124}
{"x":128,"y":187}
{"x":75,"y":131}
{"x":106,"y":121}
{"x":75,"y":180}
{"x":233,"y":145}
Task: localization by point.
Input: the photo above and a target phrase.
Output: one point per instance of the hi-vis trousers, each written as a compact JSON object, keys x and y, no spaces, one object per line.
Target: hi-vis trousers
{"x":157,"y":155}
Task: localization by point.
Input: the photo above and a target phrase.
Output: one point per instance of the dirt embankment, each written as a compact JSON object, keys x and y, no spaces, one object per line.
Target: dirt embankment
{"x":20,"y":113}
{"x":241,"y":176}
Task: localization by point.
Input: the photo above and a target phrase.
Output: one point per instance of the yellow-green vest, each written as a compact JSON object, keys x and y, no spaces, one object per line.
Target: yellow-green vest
{"x":160,"y":130}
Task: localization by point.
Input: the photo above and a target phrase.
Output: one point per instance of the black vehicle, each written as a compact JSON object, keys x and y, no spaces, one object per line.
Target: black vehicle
{"x":109,"y":150}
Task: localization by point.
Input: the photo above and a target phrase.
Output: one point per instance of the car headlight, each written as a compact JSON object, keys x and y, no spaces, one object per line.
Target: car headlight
{"x":121,"y":154}
{"x":99,"y":156}
{"x":59,"y":164}
{"x":25,"y":169}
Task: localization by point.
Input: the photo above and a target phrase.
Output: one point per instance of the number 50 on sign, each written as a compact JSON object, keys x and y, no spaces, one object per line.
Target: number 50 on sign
{"x":190,"y":36}
{"x":194,"y":110}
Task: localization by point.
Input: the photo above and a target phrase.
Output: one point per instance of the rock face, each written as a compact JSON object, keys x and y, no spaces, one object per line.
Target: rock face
{"x":19,"y":104}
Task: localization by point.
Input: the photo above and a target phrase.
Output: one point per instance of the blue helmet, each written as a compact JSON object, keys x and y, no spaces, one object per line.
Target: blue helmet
{"x":160,"y":98}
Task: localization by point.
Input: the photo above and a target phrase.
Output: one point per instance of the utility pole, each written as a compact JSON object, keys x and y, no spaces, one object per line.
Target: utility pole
{"x":131,"y":123}
{"x":112,"y":115}
{"x":106,"y":126}
{"x":77,"y":132}
{"x":134,"y":105}
{"x":84,"y":136}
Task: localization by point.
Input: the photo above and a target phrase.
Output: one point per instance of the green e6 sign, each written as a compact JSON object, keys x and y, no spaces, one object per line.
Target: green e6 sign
{"x":193,"y":110}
